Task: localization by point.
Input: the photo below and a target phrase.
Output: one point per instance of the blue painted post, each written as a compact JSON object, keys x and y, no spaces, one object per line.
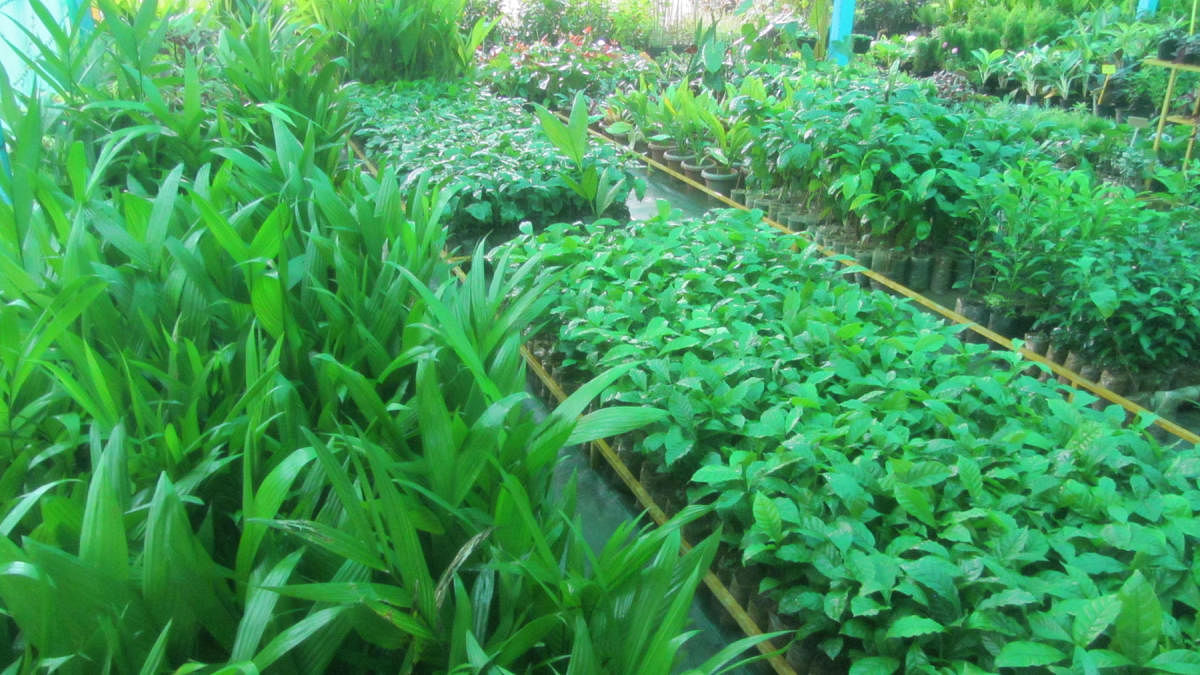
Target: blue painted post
{"x":1146,"y":8}
{"x":841,"y":44}
{"x":85,"y":18}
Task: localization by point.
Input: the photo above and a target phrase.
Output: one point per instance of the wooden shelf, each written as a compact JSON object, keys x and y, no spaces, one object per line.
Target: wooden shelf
{"x":1172,"y":64}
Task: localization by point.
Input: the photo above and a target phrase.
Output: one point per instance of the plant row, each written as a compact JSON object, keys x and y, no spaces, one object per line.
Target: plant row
{"x":909,"y":501}
{"x":1038,"y":54}
{"x":489,"y":146}
{"x":876,"y":166}
{"x":251,"y":420}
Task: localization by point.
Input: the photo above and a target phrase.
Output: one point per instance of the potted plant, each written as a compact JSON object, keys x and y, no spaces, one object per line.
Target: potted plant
{"x":655,"y":128}
{"x":637,"y":108}
{"x":726,"y":148}
{"x":1188,"y":50}
{"x":615,"y":125}
{"x":1168,"y":43}
{"x":686,"y":124}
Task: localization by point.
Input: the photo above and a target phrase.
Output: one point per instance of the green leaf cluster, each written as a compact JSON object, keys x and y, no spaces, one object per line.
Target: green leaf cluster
{"x":250,"y":418}
{"x":881,"y":162}
{"x":913,"y":500}
{"x":508,"y":171}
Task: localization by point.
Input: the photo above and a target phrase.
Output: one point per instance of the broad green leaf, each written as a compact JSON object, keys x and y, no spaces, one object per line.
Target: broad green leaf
{"x":766,"y":516}
{"x":66,"y":307}
{"x":337,"y":541}
{"x":102,"y":542}
{"x":610,"y":422}
{"x":1093,"y":618}
{"x":295,"y":634}
{"x":437,"y":433}
{"x":715,"y":473}
{"x":718,"y":662}
{"x":25,"y":503}
{"x":1106,"y":301}
{"x":1139,"y":624}
{"x":266,"y":296}
{"x":272,"y":492}
{"x":158,"y":653}
{"x":260,"y":608}
{"x":1181,"y":661}
{"x":1022,"y":654}
{"x":912,"y":626}
{"x":916,"y":502}
{"x":970,"y":475}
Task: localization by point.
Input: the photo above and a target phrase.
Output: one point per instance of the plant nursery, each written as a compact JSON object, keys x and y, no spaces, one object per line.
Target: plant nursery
{"x":633,"y":337}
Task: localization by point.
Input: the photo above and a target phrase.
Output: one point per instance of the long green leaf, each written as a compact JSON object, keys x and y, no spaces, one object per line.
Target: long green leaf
{"x":260,"y":607}
{"x":609,"y":422}
{"x":289,"y":638}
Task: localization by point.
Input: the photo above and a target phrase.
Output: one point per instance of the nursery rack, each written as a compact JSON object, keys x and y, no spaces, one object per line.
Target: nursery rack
{"x":1194,"y":120}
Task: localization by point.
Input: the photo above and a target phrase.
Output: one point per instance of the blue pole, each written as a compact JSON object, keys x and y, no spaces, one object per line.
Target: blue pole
{"x":85,"y":17}
{"x":1146,"y":8}
{"x":841,"y":44}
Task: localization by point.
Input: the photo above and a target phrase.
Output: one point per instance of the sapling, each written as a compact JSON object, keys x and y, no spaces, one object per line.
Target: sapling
{"x":593,"y":185}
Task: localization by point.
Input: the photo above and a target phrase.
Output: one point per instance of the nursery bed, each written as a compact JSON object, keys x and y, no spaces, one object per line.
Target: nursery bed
{"x":607,"y":506}
{"x":598,"y":334}
{"x":696,"y":198}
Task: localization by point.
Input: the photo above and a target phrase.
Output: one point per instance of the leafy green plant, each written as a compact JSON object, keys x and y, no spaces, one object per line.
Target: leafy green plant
{"x":252,"y":419}
{"x":914,"y":501}
{"x":510,"y":172}
{"x":386,"y":41}
{"x":728,"y":140}
{"x":551,"y":72}
{"x":594,"y":184}
{"x":627,"y":22}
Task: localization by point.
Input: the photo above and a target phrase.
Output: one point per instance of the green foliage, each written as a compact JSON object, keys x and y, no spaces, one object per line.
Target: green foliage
{"x":626,"y":22}
{"x":508,"y":171}
{"x":552,"y":72}
{"x":916,"y":501}
{"x":594,"y":184}
{"x":1024,"y":192}
{"x":384,"y":41}
{"x":250,"y":417}
{"x":886,"y":17}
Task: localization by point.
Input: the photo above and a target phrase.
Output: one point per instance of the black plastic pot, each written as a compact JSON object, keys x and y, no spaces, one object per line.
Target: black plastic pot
{"x":964,"y":270}
{"x":1116,"y":381}
{"x":1037,"y":342}
{"x":862,"y":257}
{"x":974,"y":311}
{"x":1167,"y":48}
{"x":920,"y":273}
{"x":720,"y":180}
{"x":693,"y":168}
{"x":675,"y":158}
{"x":1008,"y":326}
{"x":888,"y":263}
{"x":658,"y":149}
{"x":941,"y":278}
